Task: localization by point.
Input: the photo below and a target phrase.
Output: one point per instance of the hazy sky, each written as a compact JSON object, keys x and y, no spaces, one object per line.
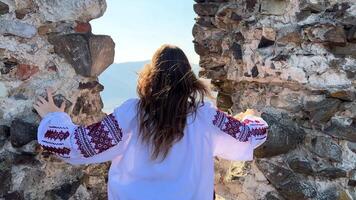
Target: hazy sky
{"x":139,"y":27}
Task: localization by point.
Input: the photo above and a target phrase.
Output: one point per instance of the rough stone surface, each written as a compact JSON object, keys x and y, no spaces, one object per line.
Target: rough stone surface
{"x":295,"y":62}
{"x":17,"y":28}
{"x":4,"y":8}
{"x":102,"y":53}
{"x":68,"y":10}
{"x":22,"y":132}
{"x":89,"y":55}
{"x":29,"y":62}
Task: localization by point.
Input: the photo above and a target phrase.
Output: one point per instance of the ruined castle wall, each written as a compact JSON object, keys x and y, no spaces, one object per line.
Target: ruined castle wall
{"x":294,"y":60}
{"x":48,"y":43}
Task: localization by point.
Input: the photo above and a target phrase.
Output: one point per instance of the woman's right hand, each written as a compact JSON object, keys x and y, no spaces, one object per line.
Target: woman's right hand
{"x":253,"y":112}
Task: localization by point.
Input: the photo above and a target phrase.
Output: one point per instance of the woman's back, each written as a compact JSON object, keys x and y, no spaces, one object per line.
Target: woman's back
{"x":186,"y":172}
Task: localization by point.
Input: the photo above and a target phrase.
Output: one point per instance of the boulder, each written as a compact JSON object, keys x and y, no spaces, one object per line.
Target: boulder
{"x":102,"y":50}
{"x":89,"y":56}
{"x":4,"y":8}
{"x":283,"y":136}
{"x":22,"y":132}
{"x":288,"y":184}
{"x":326,"y":148}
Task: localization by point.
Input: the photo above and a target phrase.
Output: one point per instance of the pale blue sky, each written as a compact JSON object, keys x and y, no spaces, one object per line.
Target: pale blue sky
{"x":139,"y":27}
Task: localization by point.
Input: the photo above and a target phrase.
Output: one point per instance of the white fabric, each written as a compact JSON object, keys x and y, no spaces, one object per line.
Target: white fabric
{"x":186,"y":174}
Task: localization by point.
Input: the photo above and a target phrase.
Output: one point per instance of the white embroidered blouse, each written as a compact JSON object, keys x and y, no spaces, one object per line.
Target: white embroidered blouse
{"x":187,"y":173}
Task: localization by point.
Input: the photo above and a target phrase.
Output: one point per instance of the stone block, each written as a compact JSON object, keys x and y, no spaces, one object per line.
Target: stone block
{"x":88,"y":56}
{"x":206,"y":9}
{"x":283,"y":135}
{"x":4,"y":8}
{"x":17,"y":28}
{"x":3,"y":90}
{"x":22,"y":132}
{"x":288,"y":184}
{"x":102,"y":50}
{"x":69,"y":10}
{"x":326,"y":148}
{"x":24,"y":71}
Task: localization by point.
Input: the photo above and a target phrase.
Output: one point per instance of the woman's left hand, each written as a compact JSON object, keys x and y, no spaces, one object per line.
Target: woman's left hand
{"x":43,"y":107}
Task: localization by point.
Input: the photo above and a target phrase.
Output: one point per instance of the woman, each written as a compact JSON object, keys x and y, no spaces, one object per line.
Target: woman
{"x":162,"y":144}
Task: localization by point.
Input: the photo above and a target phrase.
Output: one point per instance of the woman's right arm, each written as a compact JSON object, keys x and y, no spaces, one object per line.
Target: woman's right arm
{"x":235,"y":139}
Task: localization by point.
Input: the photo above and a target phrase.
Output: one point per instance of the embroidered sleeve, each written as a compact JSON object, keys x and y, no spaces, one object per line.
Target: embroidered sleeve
{"x":250,"y":128}
{"x":81,"y":144}
{"x":235,"y":139}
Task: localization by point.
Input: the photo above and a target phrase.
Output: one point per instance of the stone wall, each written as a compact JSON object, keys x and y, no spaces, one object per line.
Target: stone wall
{"x":295,"y":60}
{"x":48,"y":43}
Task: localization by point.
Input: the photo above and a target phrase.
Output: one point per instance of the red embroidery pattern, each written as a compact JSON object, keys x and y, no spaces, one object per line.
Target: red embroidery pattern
{"x":98,"y":137}
{"x":56,"y":135}
{"x":259,"y":131}
{"x":237,"y":129}
{"x":59,"y":151}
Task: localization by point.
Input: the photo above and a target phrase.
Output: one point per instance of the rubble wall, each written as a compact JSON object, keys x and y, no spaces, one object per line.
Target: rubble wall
{"x":294,"y":60}
{"x":48,"y":43}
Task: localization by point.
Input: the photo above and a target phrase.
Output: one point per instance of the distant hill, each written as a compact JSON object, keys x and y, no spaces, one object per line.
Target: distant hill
{"x":120,"y":80}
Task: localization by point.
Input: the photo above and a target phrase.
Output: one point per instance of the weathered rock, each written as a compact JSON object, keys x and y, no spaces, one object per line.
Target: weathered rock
{"x":102,"y":50}
{"x":325,"y":33}
{"x":352,"y":146}
{"x":95,"y":86}
{"x":16,"y":195}
{"x":87,"y":105}
{"x":3,"y":90}
{"x":4,"y":132}
{"x":322,"y":111}
{"x":292,"y":57}
{"x":345,"y":95}
{"x":274,"y":7}
{"x":8,"y":66}
{"x":329,"y":194}
{"x":284,"y":135}
{"x":286,"y":182}
{"x":224,"y":102}
{"x":326,"y":148}
{"x":352,"y":179}
{"x":273,"y":196}
{"x":67,"y":10}
{"x":75,"y":49}
{"x":17,"y":28}
{"x":4,"y":8}
{"x":82,"y":27}
{"x":332,"y":173}
{"x":64,"y":192}
{"x":89,"y":56}
{"x":29,"y":63}
{"x":236,"y":51}
{"x":301,"y":165}
{"x":265,"y":43}
{"x":5,"y":181}
{"x":24,"y":72}
{"x":206,"y":9}
{"x":22,"y":132}
{"x":342,"y":127}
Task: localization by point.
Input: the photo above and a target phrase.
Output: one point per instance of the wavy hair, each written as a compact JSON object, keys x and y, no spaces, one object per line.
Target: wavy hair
{"x":169,"y":91}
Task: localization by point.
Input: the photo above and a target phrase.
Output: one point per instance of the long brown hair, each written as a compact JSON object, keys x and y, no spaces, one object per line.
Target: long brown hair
{"x":169,"y":91}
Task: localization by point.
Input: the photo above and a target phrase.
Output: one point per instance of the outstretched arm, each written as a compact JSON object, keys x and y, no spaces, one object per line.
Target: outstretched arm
{"x":98,"y":142}
{"x":235,"y":139}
